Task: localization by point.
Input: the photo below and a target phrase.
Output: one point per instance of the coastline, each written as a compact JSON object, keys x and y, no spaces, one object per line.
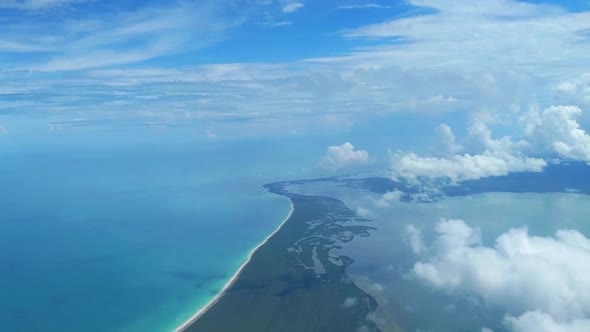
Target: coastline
{"x":233,"y":279}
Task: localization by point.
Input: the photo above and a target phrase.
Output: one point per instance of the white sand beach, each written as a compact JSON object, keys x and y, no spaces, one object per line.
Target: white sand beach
{"x":231,"y":281}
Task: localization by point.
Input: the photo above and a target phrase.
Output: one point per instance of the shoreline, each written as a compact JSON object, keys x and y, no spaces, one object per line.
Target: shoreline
{"x":233,"y":279}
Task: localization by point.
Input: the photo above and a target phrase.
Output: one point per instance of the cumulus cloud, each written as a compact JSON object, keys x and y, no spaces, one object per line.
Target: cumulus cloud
{"x":499,"y":157}
{"x":557,"y":129}
{"x":463,"y":167}
{"x":446,"y":138}
{"x":292,"y":7}
{"x":574,"y":90}
{"x":350,"y":302}
{"x":415,"y":239}
{"x":389,"y":197}
{"x":535,"y":321}
{"x":481,"y":135}
{"x":342,"y":156}
{"x":364,"y":212}
{"x":541,"y":282}
{"x":553,"y":132}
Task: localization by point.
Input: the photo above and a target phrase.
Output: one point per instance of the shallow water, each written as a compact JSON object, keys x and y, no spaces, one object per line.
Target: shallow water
{"x":385,"y":258}
{"x":383,"y":261}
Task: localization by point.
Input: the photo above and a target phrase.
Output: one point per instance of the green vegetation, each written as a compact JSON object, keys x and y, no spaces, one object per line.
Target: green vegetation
{"x":292,"y":282}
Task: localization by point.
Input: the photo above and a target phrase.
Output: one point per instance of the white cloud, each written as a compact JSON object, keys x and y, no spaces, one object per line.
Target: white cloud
{"x":113,"y":38}
{"x":3,"y":130}
{"x":211,"y":135}
{"x":342,"y":156}
{"x":567,"y":87}
{"x":37,"y":4}
{"x":463,"y":167}
{"x":273,"y":23}
{"x":104,"y":58}
{"x":535,"y":321}
{"x":553,"y":132}
{"x":574,"y":90}
{"x":438,"y":68}
{"x":541,"y":280}
{"x":350,"y":302}
{"x":364,"y":6}
{"x":557,"y":129}
{"x":499,"y":157}
{"x":292,"y":7}
{"x":389,"y":197}
{"x":447,"y":139}
{"x":19,"y":47}
{"x":440,"y":39}
{"x":364,"y":212}
{"x":415,"y":239}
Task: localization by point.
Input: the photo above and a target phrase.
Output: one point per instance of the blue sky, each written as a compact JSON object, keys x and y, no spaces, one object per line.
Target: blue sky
{"x":209,"y":32}
{"x":389,"y":70}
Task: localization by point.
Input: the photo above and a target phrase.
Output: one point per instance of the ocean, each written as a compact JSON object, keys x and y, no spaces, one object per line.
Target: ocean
{"x":126,"y":237}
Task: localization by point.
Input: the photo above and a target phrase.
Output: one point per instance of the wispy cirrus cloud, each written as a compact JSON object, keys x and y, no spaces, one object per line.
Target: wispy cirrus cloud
{"x":117,"y":38}
{"x":434,"y":39}
{"x":19,"y":47}
{"x":364,"y":6}
{"x":273,"y":23}
{"x":33,"y":5}
{"x":292,"y":7}
{"x":420,"y":63}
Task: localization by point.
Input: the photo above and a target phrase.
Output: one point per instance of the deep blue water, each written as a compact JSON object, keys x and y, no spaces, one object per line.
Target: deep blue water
{"x":125,"y":239}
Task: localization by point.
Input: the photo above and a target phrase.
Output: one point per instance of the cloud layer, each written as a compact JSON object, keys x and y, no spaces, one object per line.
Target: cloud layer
{"x":498,"y":157}
{"x":33,"y":5}
{"x":421,"y":61}
{"x":463,"y":167}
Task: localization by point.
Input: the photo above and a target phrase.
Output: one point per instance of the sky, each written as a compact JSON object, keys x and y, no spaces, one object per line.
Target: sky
{"x":457,"y":81}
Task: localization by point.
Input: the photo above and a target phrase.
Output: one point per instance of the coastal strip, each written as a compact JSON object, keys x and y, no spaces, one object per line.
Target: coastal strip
{"x":280,"y":290}
{"x":233,"y":279}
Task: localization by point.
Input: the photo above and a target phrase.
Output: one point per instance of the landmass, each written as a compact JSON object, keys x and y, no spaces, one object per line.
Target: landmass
{"x":293,"y":282}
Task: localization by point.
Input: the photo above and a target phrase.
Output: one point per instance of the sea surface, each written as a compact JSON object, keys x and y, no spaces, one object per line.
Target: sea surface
{"x":126,"y":238}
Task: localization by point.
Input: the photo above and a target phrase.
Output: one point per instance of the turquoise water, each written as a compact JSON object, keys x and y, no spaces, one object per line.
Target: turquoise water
{"x":125,"y":239}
